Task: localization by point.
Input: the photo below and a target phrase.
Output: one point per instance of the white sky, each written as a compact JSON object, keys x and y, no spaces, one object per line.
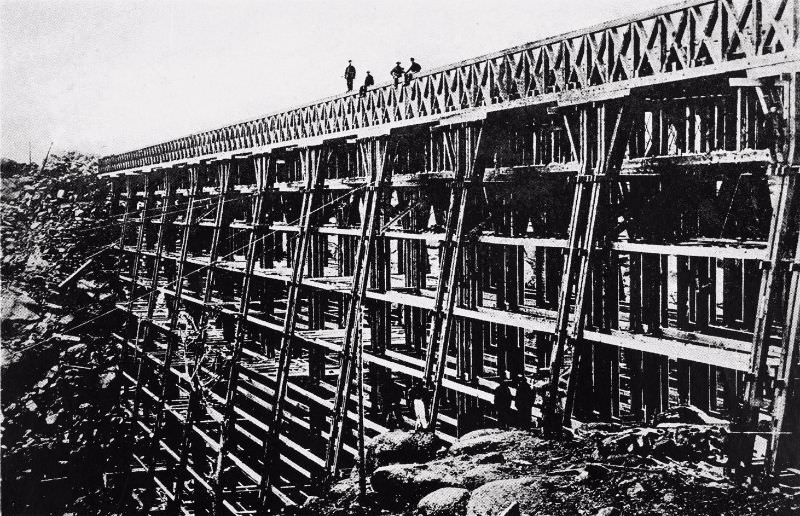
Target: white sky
{"x":104,"y":76}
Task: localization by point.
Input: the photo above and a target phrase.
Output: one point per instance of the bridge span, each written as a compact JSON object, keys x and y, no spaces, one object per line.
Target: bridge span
{"x":611,"y":213}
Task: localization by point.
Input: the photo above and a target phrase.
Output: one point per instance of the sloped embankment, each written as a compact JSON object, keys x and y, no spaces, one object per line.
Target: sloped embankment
{"x":59,"y":426}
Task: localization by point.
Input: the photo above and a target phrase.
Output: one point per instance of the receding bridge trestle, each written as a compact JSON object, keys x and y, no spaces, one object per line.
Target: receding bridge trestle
{"x":612,"y":213}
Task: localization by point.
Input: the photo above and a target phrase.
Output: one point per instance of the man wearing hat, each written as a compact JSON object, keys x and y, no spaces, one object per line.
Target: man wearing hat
{"x":397,"y":72}
{"x":368,"y":81}
{"x":350,"y":75}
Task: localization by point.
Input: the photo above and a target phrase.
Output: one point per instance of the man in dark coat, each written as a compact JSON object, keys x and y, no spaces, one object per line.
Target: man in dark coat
{"x":524,"y":402}
{"x":413,"y":69}
{"x":397,"y":73}
{"x":368,"y":81}
{"x":392,"y":411}
{"x":350,"y":75}
{"x":502,"y":403}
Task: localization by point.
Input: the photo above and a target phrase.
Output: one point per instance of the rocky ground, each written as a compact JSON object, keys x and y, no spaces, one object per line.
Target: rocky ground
{"x":59,"y":418}
{"x":671,"y":468}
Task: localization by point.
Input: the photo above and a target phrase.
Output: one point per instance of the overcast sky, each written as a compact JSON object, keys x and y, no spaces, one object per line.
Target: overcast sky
{"x":109,"y":76}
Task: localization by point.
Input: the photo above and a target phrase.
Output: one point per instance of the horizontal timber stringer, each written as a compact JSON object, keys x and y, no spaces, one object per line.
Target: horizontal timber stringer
{"x":615,"y":220}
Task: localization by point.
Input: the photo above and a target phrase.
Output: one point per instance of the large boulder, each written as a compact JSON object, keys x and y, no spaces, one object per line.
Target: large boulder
{"x":494,"y":498}
{"x":480,"y":433}
{"x":17,"y":309}
{"x":398,"y":446}
{"x":410,"y":482}
{"x":479,"y":474}
{"x":493,"y":441}
{"x":448,"y":501}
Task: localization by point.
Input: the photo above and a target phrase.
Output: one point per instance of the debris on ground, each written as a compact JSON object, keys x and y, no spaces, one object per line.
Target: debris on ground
{"x":58,"y":372}
{"x":606,"y":469}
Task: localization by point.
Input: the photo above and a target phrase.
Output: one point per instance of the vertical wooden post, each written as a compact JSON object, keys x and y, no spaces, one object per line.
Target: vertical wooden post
{"x":787,"y":381}
{"x":782,"y":190}
{"x":612,"y":142}
{"x":374,"y":152}
{"x":699,"y":374}
{"x":138,"y":359}
{"x":786,"y":386}
{"x":265,"y":181}
{"x":683,"y":280}
{"x":362,"y":467}
{"x":144,"y":218}
{"x":441,"y":333}
{"x":634,"y":358}
{"x":163,"y":228}
{"x":652,"y":315}
{"x":194,"y":396}
{"x":129,"y":205}
{"x":314,"y":162}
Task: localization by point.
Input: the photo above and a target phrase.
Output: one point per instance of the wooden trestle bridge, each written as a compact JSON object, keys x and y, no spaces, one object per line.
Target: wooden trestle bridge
{"x":611,"y":209}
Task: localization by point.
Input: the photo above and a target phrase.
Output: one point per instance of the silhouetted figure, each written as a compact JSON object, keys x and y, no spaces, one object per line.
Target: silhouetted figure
{"x":350,"y":75}
{"x":368,"y":81}
{"x":413,"y":69}
{"x":392,"y":412}
{"x":735,"y":443}
{"x":524,"y":402}
{"x":502,"y":403}
{"x":397,"y":73}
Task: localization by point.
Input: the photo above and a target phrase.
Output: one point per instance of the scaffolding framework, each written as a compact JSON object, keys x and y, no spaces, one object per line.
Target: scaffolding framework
{"x":613,"y":211}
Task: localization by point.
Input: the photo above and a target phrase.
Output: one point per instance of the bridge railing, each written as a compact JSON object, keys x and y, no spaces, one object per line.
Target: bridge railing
{"x":671,"y":40}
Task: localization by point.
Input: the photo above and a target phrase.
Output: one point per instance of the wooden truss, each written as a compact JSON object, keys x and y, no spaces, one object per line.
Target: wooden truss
{"x":602,"y":212}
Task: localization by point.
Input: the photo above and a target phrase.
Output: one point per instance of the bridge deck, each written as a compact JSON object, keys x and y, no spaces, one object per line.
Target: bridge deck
{"x":679,"y":42}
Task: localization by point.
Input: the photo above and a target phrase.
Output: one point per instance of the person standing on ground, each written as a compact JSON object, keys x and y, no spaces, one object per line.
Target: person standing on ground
{"x":368,"y":81}
{"x":397,"y":73}
{"x":502,"y":402}
{"x":524,"y":402}
{"x":392,"y":411}
{"x":350,"y":75}
{"x":413,"y":69}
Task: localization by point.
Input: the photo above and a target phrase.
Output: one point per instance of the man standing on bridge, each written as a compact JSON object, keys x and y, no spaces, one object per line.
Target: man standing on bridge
{"x":350,"y":75}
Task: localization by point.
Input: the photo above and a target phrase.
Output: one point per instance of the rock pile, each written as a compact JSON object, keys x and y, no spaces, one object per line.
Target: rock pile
{"x":58,"y":379}
{"x":52,"y":218}
{"x":605,"y":470}
{"x":68,"y":420}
